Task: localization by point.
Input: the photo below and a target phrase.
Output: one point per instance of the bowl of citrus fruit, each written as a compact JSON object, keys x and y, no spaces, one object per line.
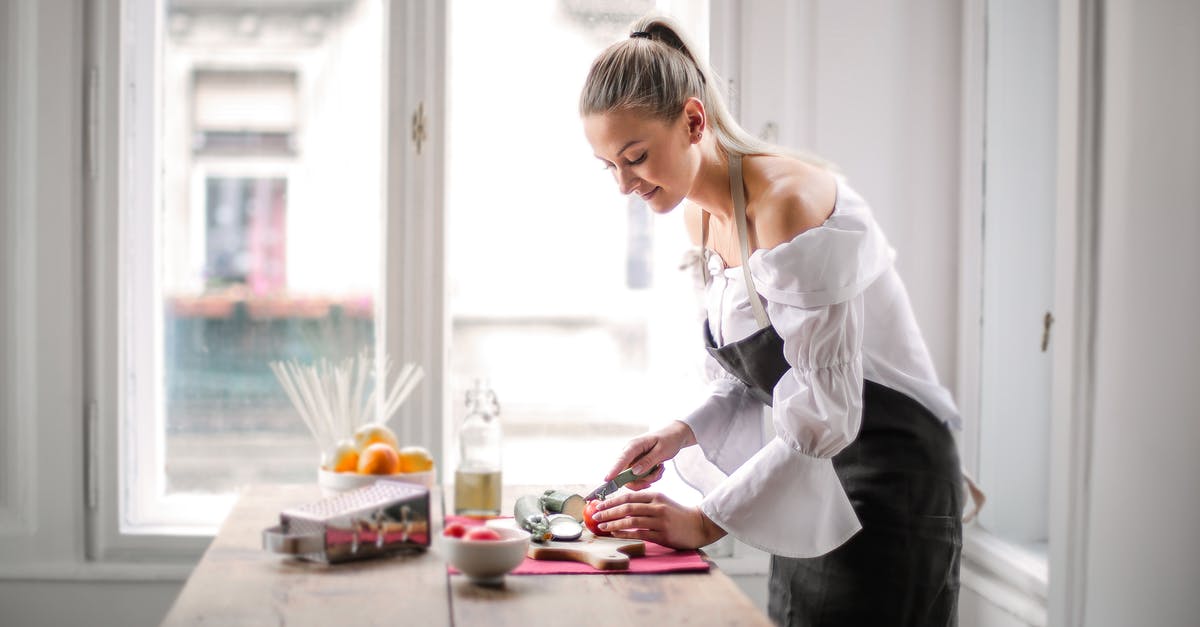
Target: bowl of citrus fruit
{"x":372,"y":454}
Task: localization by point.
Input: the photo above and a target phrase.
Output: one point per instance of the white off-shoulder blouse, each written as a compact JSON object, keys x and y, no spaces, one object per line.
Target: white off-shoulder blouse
{"x":844,"y":315}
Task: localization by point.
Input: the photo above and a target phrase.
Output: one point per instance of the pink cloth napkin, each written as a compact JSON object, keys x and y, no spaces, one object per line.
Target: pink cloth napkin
{"x":658,"y":559}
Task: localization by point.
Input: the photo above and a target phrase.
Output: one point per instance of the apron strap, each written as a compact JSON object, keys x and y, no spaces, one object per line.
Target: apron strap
{"x":704,"y":246}
{"x":738,"y":192}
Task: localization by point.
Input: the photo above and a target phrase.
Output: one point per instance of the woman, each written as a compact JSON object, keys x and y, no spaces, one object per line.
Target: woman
{"x":855,"y":491}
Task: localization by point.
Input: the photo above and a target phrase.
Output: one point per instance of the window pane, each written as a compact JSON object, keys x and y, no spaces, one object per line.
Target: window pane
{"x":1018,"y":276}
{"x":565,"y":296}
{"x":270,"y":149}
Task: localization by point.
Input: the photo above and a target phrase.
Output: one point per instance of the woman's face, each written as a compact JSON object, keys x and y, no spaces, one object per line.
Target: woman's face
{"x":647,"y":156}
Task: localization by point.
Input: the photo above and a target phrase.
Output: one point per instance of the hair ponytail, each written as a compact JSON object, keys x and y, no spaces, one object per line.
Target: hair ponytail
{"x":655,"y":71}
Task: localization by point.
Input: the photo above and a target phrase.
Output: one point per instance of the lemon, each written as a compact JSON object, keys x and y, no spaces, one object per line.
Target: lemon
{"x":415,"y":459}
{"x":344,"y":458}
{"x":371,"y":433}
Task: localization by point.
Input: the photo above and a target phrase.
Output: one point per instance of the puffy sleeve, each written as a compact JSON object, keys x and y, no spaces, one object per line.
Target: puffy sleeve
{"x":727,"y":425}
{"x":785,"y":497}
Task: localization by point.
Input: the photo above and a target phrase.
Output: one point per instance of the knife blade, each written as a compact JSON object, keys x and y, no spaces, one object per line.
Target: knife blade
{"x":625,"y":476}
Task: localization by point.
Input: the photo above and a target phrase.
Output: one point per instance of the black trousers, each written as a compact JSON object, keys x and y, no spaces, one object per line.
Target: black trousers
{"x":903,"y":478}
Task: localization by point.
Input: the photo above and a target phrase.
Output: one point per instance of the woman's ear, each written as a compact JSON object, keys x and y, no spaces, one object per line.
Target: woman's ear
{"x":697,"y":120}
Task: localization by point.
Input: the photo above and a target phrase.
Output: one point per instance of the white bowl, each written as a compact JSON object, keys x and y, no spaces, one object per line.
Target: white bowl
{"x":486,"y":562}
{"x":333,"y":483}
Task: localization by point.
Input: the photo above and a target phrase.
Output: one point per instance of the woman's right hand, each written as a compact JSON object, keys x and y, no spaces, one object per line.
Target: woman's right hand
{"x":652,"y":448}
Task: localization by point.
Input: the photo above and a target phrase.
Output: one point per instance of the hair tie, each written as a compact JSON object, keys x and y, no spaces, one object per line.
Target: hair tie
{"x":639,"y":34}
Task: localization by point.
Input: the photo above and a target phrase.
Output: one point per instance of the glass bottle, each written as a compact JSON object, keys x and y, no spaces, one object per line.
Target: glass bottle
{"x":477,"y":479}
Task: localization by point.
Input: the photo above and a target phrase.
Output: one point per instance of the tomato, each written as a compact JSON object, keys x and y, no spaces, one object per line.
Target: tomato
{"x":455,"y":530}
{"x":482,"y":533}
{"x":592,"y":525}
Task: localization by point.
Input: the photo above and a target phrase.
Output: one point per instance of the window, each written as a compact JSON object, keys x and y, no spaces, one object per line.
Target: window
{"x":252,"y":237}
{"x":254,"y":211}
{"x":567,"y":297}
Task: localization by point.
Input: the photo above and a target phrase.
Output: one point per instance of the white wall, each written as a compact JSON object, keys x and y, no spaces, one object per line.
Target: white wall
{"x":873,"y":86}
{"x":1143,"y":545}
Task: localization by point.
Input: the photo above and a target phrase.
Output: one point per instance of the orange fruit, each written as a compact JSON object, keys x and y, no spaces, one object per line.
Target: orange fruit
{"x":345,"y":457}
{"x":415,"y":459}
{"x":378,"y":459}
{"x":371,"y":433}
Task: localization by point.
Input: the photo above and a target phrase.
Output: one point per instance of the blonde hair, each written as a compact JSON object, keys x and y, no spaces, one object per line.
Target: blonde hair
{"x":654,"y":71}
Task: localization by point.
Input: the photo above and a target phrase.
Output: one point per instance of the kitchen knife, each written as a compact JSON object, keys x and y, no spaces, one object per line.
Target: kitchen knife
{"x":626,"y":476}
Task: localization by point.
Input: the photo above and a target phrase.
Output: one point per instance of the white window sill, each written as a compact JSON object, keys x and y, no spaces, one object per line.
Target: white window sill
{"x":1012,"y":577}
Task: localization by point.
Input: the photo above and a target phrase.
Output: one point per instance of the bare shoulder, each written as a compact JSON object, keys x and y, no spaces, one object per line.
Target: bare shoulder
{"x":787,"y":198}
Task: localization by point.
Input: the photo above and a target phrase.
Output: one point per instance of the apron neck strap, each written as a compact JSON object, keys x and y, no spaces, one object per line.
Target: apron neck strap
{"x":738,"y":191}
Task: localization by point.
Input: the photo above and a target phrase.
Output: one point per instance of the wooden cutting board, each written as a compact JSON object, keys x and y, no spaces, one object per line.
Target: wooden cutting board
{"x":599,"y":552}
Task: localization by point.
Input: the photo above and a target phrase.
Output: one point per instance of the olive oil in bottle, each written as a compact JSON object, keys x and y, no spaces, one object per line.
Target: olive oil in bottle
{"x":476,"y":493}
{"x":477,"y":480}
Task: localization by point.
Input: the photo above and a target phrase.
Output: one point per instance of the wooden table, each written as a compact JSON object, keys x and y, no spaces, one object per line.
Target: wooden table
{"x":239,"y":583}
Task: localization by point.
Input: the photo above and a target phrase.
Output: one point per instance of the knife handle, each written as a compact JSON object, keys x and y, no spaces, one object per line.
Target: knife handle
{"x":627,"y":475}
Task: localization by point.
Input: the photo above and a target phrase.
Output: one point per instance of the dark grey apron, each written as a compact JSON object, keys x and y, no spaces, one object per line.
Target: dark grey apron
{"x":901,"y":474}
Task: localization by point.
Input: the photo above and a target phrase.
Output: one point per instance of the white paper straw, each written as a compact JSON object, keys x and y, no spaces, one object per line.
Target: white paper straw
{"x":360,"y":376}
{"x":290,"y":390}
{"x":309,"y":395}
{"x":343,"y":398}
{"x":329,"y":396}
{"x":323,"y":408}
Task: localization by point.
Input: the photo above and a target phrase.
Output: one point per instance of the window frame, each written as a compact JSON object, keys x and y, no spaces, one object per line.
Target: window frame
{"x":1080,"y":97}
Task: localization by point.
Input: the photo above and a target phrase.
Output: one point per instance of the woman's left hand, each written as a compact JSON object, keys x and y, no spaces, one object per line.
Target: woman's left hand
{"x":655,"y":517}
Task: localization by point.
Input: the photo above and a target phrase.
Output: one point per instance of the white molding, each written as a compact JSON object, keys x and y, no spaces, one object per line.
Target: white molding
{"x":1076,"y":267}
{"x":16,"y":505}
{"x":14,"y":194}
{"x":88,"y":571}
{"x":413,"y":326}
{"x":102,"y":279}
{"x":41,"y":516}
{"x":970,"y":250}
